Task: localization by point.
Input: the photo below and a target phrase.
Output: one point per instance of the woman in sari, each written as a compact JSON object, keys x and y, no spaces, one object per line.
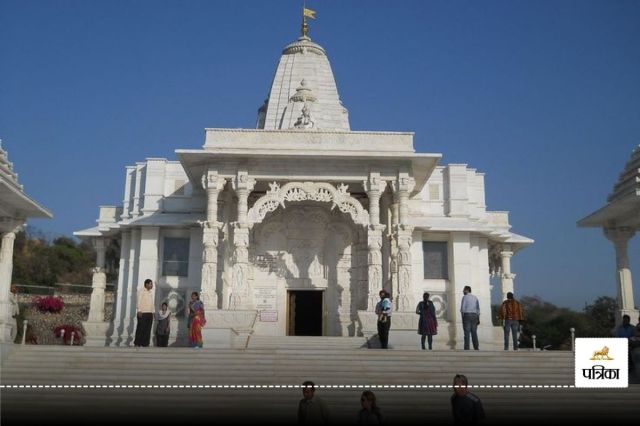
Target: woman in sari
{"x":428,"y":323}
{"x":196,"y":320}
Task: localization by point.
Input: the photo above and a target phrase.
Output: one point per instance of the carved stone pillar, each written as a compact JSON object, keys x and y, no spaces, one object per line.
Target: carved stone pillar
{"x":374,"y":187}
{"x":212,"y":184}
{"x":362,"y":290}
{"x":96,"y":327}
{"x":393,"y":264}
{"x":402,"y":187}
{"x":7,"y":322}
{"x":405,"y":285}
{"x":374,"y":265}
{"x":132,"y":277}
{"x":98,"y":282}
{"x":239,"y":297}
{"x":506,"y":277}
{"x":210,"y":233}
{"x":620,"y":238}
{"x":121,"y":292}
{"x":243,"y":185}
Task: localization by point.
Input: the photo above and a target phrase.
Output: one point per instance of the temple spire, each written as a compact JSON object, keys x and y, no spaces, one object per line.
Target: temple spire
{"x":303,"y":92}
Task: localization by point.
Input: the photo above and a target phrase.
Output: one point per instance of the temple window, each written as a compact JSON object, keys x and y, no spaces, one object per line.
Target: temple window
{"x":175,"y":260}
{"x":436,"y":264}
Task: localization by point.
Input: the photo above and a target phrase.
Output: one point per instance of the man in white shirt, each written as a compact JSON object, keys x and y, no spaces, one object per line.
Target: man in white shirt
{"x":470,"y":310}
{"x":144,"y":311}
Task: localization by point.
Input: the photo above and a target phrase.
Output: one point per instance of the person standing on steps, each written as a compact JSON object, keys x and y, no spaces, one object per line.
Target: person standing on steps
{"x":196,"y":321}
{"x":163,"y":326}
{"x":470,"y":310}
{"x":428,"y":323}
{"x":511,"y":313}
{"x":383,"y":310}
{"x":144,"y":312}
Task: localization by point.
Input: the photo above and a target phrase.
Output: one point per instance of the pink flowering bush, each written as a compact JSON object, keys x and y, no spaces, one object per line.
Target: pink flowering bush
{"x":68,"y":329}
{"x":49,"y":304}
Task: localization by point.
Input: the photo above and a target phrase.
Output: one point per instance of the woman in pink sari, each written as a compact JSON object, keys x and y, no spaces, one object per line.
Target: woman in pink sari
{"x":196,"y":320}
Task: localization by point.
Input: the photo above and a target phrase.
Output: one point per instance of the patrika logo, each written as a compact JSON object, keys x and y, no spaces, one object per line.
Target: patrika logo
{"x":602,"y":354}
{"x":601,"y":363}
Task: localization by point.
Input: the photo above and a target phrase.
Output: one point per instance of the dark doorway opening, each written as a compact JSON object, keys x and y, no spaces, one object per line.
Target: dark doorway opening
{"x":305,"y":313}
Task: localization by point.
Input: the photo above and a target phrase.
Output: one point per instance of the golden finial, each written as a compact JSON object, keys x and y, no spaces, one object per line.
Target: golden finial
{"x":306,"y":13}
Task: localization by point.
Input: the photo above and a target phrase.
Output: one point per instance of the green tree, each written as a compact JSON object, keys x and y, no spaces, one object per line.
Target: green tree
{"x":30,"y":261}
{"x":38,"y":262}
{"x":551,"y":324}
{"x":71,"y":262}
{"x":602,"y":316}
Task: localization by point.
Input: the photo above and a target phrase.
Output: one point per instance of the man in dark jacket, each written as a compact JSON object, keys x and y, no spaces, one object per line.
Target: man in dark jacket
{"x":466,"y":407}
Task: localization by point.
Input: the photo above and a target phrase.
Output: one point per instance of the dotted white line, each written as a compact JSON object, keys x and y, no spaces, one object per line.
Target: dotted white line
{"x":279,"y":386}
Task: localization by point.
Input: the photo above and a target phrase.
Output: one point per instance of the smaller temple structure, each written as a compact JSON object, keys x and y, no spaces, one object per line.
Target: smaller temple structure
{"x":620,"y":219}
{"x":15,"y":208}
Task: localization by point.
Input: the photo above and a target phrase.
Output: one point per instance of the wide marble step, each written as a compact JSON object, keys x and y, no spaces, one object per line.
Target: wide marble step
{"x":60,"y":365}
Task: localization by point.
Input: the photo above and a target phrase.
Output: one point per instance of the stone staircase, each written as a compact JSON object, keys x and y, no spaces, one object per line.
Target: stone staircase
{"x":325,"y":361}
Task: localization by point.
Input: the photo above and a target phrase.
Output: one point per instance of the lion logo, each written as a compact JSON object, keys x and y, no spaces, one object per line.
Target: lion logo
{"x":602,"y":354}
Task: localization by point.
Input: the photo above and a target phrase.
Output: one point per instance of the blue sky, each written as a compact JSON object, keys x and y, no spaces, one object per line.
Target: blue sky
{"x":543,"y":96}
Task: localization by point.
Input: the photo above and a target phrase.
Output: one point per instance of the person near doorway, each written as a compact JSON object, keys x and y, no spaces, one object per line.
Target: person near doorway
{"x":428,"y":323}
{"x":383,"y":310}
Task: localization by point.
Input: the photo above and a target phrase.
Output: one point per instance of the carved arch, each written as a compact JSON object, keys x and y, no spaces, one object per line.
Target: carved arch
{"x":312,"y":191}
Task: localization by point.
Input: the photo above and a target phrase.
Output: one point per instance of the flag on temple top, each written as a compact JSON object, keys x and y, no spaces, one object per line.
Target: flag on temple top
{"x":309,"y":13}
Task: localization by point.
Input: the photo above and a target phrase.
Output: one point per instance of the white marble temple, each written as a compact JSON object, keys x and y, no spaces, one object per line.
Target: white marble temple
{"x":293,"y":227}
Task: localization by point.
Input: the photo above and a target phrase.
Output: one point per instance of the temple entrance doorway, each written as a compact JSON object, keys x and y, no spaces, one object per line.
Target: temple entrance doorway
{"x":306,"y":312}
{"x":304,"y":248}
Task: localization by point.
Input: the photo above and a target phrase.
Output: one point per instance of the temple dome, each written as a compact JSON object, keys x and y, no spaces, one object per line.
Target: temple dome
{"x":303,"y":93}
